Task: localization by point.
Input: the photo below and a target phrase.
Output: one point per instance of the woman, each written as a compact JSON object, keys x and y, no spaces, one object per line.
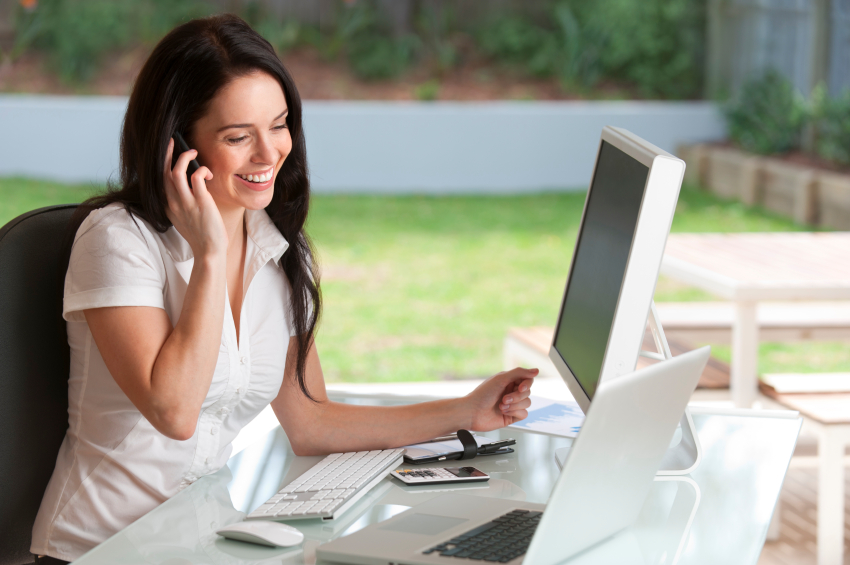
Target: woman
{"x":191,"y":308}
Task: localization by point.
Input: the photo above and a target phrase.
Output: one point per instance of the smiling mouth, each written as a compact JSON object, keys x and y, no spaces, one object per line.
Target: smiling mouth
{"x":258,"y":178}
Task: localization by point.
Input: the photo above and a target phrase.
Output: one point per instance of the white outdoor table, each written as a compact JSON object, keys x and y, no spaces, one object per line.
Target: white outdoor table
{"x":747,"y":268}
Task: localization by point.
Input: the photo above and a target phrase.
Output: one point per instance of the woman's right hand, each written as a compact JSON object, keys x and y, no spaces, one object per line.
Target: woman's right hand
{"x":193,"y":210}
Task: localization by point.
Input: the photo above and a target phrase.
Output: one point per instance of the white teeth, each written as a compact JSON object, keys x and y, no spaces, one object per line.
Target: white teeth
{"x":258,"y":178}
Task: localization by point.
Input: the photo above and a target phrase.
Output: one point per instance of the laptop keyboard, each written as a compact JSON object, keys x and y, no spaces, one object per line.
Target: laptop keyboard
{"x":505,"y":538}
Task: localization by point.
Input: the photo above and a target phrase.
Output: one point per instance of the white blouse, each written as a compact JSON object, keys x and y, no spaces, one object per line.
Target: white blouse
{"x":113,"y":466}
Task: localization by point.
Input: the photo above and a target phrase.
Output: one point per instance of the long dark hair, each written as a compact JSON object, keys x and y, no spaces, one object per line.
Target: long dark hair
{"x":186,"y":70}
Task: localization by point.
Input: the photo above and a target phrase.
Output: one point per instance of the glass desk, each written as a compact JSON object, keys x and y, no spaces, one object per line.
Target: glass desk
{"x":718,"y":514}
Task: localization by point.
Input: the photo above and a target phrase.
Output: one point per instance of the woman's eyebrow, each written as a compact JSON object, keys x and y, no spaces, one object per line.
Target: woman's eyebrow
{"x":231,"y":126}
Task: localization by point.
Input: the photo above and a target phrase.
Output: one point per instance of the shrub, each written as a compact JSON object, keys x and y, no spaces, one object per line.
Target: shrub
{"x":155,"y":18}
{"x":656,"y":44}
{"x":427,"y":91}
{"x":76,"y":34}
{"x":435,"y":24}
{"x":832,"y":126}
{"x":562,"y":48}
{"x":372,"y":50}
{"x":767,"y":115}
{"x":283,"y":36}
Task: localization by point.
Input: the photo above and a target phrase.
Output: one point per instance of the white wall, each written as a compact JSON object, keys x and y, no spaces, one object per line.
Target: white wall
{"x":377,"y":147}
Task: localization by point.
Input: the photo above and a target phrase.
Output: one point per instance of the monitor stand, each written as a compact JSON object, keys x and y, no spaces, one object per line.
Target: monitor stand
{"x":685,"y":452}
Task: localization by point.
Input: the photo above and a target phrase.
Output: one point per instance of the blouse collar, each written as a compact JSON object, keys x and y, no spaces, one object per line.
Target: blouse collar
{"x":259,"y":226}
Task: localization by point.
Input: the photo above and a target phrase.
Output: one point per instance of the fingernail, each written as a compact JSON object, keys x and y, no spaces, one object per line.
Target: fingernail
{"x":505,"y":406}
{"x":508,"y":400}
{"x":523,"y":387}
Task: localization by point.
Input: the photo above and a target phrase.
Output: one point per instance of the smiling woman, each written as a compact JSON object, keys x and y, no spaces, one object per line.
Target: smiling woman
{"x":191,"y":302}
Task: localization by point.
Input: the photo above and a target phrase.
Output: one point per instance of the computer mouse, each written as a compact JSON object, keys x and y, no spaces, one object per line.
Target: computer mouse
{"x":263,"y":532}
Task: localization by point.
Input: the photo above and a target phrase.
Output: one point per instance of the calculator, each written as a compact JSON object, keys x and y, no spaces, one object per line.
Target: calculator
{"x":437,"y":475}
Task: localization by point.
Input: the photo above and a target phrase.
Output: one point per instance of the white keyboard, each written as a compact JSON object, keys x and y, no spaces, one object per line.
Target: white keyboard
{"x":330,"y":487}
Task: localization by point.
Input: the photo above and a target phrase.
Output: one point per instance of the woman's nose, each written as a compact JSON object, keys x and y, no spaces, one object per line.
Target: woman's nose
{"x":265,"y":151}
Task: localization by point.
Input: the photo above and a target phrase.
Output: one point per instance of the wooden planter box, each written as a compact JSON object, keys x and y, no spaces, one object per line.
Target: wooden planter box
{"x":789,"y":190}
{"x":733,"y":174}
{"x":696,"y":163}
{"x":834,"y":200}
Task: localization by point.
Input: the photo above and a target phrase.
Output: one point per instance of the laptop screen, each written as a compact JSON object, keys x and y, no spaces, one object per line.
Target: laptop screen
{"x":601,"y":254}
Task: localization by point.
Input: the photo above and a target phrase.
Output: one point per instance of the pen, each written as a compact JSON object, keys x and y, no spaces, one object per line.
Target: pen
{"x":448,"y":437}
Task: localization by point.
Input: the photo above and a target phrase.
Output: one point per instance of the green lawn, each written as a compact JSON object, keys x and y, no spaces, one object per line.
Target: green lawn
{"x":22,"y":195}
{"x":424,"y":288}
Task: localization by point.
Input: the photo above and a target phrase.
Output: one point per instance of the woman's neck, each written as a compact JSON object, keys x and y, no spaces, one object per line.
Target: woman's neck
{"x":234,"y":224}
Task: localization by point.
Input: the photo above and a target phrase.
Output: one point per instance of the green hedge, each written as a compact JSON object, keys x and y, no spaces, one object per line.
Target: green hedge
{"x":769,"y":117}
{"x":76,"y":34}
{"x":655,"y":45}
{"x":832,"y":126}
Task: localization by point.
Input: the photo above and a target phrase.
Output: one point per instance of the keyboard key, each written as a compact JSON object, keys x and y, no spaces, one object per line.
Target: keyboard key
{"x":481,"y":529}
{"x":303,"y":509}
{"x":287,"y":510}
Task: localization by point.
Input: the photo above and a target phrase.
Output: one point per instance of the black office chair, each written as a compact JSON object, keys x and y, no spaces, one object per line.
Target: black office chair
{"x":34,"y":366}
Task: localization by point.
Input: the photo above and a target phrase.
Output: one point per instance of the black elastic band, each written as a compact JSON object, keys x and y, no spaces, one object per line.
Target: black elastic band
{"x":470,"y":446}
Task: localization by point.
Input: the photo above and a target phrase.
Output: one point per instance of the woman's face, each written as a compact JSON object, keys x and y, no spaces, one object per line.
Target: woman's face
{"x":243,"y":139}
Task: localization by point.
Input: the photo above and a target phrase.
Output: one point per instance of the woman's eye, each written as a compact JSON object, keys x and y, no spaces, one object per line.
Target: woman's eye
{"x":280,"y":127}
{"x":237,"y":139}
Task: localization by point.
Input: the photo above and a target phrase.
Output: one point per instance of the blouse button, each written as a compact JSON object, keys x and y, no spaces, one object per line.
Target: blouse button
{"x":214,"y":431}
{"x":243,"y":360}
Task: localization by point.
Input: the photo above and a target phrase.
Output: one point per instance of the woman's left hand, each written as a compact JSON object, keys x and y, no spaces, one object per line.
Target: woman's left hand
{"x":501,"y":400}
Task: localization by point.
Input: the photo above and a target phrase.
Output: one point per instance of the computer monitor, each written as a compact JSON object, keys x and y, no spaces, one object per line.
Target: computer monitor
{"x":627,"y":215}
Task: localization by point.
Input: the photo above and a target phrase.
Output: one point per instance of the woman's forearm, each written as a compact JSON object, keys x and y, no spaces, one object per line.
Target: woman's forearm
{"x":315,"y":428}
{"x":183,"y":370}
{"x":342,"y":427}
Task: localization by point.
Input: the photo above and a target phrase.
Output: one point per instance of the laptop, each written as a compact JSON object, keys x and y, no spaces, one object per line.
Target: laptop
{"x":600,"y":491}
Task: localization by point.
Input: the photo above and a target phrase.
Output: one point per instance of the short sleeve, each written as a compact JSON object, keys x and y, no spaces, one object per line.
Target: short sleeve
{"x":112,"y":264}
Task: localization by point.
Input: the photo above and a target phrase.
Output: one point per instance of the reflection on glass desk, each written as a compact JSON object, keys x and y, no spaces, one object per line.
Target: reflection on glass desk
{"x":718,"y":514}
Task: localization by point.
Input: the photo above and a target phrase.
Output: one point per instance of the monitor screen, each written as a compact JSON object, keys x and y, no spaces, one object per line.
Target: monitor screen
{"x":601,"y":254}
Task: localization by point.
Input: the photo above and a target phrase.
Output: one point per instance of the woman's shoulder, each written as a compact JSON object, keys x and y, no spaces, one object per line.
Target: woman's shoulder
{"x":112,"y":220}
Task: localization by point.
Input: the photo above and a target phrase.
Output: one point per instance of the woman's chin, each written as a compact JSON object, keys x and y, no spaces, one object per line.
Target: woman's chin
{"x":256,"y":200}
{"x":259,"y":201}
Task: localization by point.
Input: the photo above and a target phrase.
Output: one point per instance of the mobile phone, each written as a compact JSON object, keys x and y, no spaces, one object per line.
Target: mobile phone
{"x":180,"y":147}
{"x":440,"y":476}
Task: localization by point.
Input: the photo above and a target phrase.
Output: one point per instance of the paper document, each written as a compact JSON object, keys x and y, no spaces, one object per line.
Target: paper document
{"x":554,"y":417}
